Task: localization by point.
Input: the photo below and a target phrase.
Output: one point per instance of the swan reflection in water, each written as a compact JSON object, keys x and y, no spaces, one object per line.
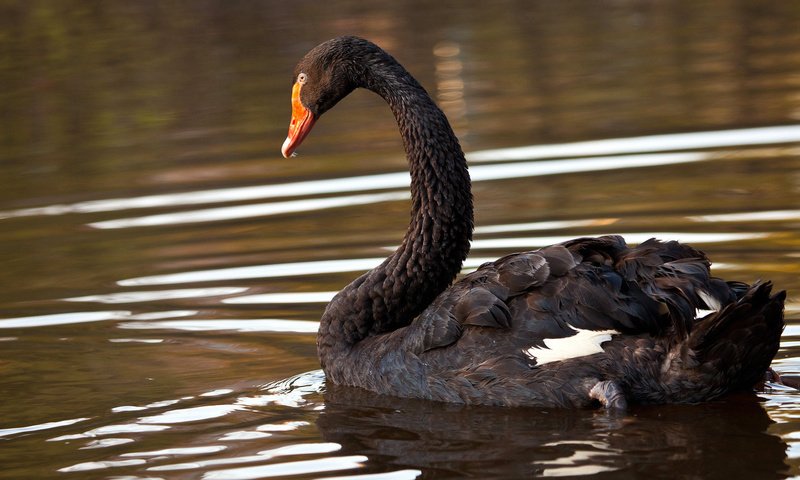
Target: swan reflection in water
{"x":722,"y":439}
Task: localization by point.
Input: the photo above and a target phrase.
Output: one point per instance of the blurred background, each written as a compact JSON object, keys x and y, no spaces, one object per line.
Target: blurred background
{"x":163,"y":267}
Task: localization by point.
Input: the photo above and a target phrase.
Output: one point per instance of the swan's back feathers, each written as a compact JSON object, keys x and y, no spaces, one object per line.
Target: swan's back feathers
{"x":520,"y":272}
{"x":481,"y":308}
{"x":437,"y":328}
{"x":527,"y":328}
{"x":567,"y":291}
{"x":591,"y":284}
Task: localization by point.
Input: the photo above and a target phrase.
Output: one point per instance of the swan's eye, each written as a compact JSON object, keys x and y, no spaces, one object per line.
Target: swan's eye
{"x":301,"y":79}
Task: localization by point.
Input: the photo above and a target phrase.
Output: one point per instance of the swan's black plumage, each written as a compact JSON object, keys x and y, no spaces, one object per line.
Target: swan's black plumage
{"x":494,"y":337}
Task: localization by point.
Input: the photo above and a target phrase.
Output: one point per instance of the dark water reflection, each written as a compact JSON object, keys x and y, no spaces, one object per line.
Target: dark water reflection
{"x":163,"y":267}
{"x":674,"y":441}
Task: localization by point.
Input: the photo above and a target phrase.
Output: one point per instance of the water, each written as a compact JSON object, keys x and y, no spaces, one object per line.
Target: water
{"x":163,"y":268}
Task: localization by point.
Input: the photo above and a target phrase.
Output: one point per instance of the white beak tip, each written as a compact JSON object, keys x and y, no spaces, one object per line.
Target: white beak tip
{"x":285,"y":148}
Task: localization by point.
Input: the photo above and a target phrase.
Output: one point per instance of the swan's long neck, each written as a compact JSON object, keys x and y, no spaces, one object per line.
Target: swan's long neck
{"x":437,"y":241}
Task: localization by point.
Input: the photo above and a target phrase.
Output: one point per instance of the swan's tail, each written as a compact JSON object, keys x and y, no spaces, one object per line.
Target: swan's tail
{"x":732,"y":349}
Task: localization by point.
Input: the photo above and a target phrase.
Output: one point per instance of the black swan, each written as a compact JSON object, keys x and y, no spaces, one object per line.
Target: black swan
{"x":588,"y":322}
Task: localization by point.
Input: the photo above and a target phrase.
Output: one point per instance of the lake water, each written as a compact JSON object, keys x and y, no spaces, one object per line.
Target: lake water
{"x":163,"y":267}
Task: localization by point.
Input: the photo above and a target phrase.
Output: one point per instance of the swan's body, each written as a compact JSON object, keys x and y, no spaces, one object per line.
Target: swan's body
{"x":591,"y":320}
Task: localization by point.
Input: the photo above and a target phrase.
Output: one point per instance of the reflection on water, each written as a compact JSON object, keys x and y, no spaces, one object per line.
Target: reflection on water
{"x":649,"y":143}
{"x":140,"y":296}
{"x":34,"y":428}
{"x":252,"y":325}
{"x":297,"y":297}
{"x":521,"y":443}
{"x":257,"y":271}
{"x":164,"y":269}
{"x":371,"y":182}
{"x":768,"y":216}
{"x":85,"y":317}
{"x":290,"y":450}
{"x":248,"y":211}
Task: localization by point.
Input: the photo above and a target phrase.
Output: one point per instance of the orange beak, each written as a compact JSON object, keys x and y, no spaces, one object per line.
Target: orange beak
{"x":302,"y":121}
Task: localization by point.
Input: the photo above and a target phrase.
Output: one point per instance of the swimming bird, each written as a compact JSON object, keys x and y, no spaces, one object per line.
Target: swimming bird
{"x":588,"y":322}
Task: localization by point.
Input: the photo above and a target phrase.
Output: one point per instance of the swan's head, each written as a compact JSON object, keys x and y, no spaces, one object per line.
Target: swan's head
{"x":325,"y":75}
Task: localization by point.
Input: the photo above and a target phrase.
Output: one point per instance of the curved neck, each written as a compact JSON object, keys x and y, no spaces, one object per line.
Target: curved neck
{"x":439,"y":233}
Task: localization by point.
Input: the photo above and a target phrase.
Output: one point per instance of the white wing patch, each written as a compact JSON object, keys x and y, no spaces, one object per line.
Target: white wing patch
{"x":700,"y":313}
{"x":583,"y":343}
{"x":713,"y":304}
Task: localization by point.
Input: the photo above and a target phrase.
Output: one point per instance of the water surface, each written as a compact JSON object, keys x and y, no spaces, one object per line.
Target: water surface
{"x":163,"y":268}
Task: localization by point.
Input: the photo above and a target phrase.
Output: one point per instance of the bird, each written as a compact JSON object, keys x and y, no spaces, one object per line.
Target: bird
{"x":589,"y":323}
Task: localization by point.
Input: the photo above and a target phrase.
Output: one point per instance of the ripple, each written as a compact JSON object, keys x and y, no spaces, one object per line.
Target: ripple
{"x":87,"y":466}
{"x":763,"y":216}
{"x":178,"y":451}
{"x":135,"y":408}
{"x":303,"y":467}
{"x":106,"y":443}
{"x":69,"y":318}
{"x":136,"y":340}
{"x":249,"y":211}
{"x":62,"y":319}
{"x":291,"y":297}
{"x":336,"y":185}
{"x":301,"y":449}
{"x":289,"y":392}
{"x":792,"y":330}
{"x":649,"y":143}
{"x":274,"y":270}
{"x":549,"y":225}
{"x":191,"y":414}
{"x":160,"y":315}
{"x":632,"y":145}
{"x":396,"y":475}
{"x":257,"y":271}
{"x":254,"y":325}
{"x":477,"y":173}
{"x":152,"y":296}
{"x":288,"y":450}
{"x":216,"y":393}
{"x":281,"y":427}
{"x":221,"y":195}
{"x":243,"y":435}
{"x":5,"y":432}
{"x":111,"y":430}
{"x":481,"y":173}
{"x":582,"y":461}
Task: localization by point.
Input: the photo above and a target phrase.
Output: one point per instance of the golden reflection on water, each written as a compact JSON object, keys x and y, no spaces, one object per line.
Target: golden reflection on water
{"x":162,"y":265}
